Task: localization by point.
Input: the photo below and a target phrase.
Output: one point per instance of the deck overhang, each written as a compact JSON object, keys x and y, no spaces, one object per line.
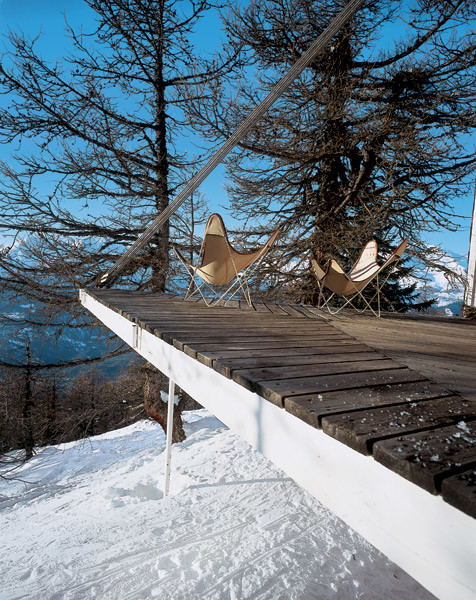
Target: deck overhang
{"x":430,"y":539}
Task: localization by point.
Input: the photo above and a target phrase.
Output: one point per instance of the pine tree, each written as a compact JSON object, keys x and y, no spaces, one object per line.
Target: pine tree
{"x":369,"y":142}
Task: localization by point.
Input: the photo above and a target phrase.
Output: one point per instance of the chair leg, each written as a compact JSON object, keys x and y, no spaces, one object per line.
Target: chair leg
{"x":240,"y":283}
{"x":378,"y":296}
{"x":381,"y":284}
{"x":358,"y":293}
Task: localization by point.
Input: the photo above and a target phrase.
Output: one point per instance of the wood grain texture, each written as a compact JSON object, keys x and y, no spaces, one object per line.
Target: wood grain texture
{"x":312,"y":408}
{"x":361,"y":429}
{"x":428,"y":457}
{"x":390,"y":387}
{"x":460,"y":491}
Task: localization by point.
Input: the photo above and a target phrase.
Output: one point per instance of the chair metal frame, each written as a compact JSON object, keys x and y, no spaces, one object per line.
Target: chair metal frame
{"x":355,"y":287}
{"x":240,"y":276}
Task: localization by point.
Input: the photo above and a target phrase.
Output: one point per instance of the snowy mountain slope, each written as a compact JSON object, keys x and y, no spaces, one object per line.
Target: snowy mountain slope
{"x":88,"y":520}
{"x":449,"y":294}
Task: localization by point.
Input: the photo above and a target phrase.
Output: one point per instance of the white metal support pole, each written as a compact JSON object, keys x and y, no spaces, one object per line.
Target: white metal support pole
{"x":168,"y":439}
{"x":470,"y":295}
{"x":425,"y":535}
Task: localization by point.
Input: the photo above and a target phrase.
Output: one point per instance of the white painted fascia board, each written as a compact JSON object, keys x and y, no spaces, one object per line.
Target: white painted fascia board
{"x":431,"y":540}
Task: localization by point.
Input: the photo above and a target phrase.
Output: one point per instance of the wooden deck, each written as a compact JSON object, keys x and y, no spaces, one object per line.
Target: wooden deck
{"x":401,"y":390}
{"x":389,"y":447}
{"x":442,"y":348}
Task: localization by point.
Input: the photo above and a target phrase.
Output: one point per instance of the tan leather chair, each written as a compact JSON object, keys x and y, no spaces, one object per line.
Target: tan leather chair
{"x":219,"y":264}
{"x":351,"y":284}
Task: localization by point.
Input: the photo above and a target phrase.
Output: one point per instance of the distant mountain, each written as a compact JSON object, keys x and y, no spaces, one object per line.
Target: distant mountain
{"x":449,"y":294}
{"x":73,"y":343}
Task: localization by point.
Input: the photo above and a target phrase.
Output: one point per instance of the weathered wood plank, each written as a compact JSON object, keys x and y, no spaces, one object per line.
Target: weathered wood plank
{"x":233,"y":303}
{"x":293,"y":311}
{"x":227,"y":367}
{"x":318,"y":312}
{"x":225,"y":315}
{"x":313,"y":407}
{"x":405,"y":333}
{"x":449,"y":344}
{"x":361,"y":429}
{"x":337,"y":346}
{"x":274,"y":308}
{"x":194,"y":349}
{"x":460,"y":491}
{"x":216,"y":325}
{"x":447,"y":356}
{"x":189,"y":336}
{"x":302,"y":375}
{"x":221,"y":328}
{"x":230,"y":339}
{"x":216,"y":322}
{"x":277,"y":391}
{"x":428,"y":457}
{"x":198,"y":339}
{"x":261,"y":307}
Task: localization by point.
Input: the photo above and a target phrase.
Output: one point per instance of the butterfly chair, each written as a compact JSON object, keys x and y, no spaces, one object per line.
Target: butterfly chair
{"x":352,"y":284}
{"x":219,"y":264}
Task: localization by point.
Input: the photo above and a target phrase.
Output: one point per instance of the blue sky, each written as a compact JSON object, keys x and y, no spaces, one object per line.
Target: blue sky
{"x":33,"y":16}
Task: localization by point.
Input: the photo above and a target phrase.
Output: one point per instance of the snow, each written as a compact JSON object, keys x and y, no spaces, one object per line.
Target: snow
{"x":88,"y":520}
{"x":448,"y":293}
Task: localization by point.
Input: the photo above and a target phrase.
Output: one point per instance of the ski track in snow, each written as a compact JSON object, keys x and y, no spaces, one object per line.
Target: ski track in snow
{"x":92,"y":523}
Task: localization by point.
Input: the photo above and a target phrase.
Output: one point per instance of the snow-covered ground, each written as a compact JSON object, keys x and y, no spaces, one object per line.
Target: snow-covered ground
{"x":88,"y":520}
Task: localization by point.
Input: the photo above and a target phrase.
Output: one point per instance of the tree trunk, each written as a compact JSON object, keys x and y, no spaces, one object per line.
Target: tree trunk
{"x":51,"y":412}
{"x":156,"y":408}
{"x":28,"y":441}
{"x":160,"y":258}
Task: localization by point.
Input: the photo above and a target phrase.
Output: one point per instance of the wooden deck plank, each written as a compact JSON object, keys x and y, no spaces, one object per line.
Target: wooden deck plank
{"x":217,"y":327}
{"x":277,"y":391}
{"x":248,"y":378}
{"x":313,"y":407}
{"x":196,"y":332}
{"x":460,"y":491}
{"x":230,"y":339}
{"x":318,"y":312}
{"x":361,"y":429}
{"x":195,"y":349}
{"x":294,"y":311}
{"x":275,"y":308}
{"x":398,"y":341}
{"x":427,"y":332}
{"x":428,"y":457}
{"x":264,"y":337}
{"x":225,"y":315}
{"x":329,"y":347}
{"x":265,"y":340}
{"x":226,"y":367}
{"x":261,"y":307}
{"x":446,"y":353}
{"x":214,"y":324}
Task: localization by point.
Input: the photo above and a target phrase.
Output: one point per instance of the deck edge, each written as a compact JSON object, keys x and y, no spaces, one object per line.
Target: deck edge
{"x":427,"y":537}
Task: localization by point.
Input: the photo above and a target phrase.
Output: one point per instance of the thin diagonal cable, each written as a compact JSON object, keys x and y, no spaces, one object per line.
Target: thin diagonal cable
{"x":315,"y":49}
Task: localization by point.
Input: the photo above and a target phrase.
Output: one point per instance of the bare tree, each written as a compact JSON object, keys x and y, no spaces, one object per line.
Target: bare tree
{"x":39,"y":408}
{"x":373,"y":140}
{"x":97,"y":147}
{"x":105,"y":125}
